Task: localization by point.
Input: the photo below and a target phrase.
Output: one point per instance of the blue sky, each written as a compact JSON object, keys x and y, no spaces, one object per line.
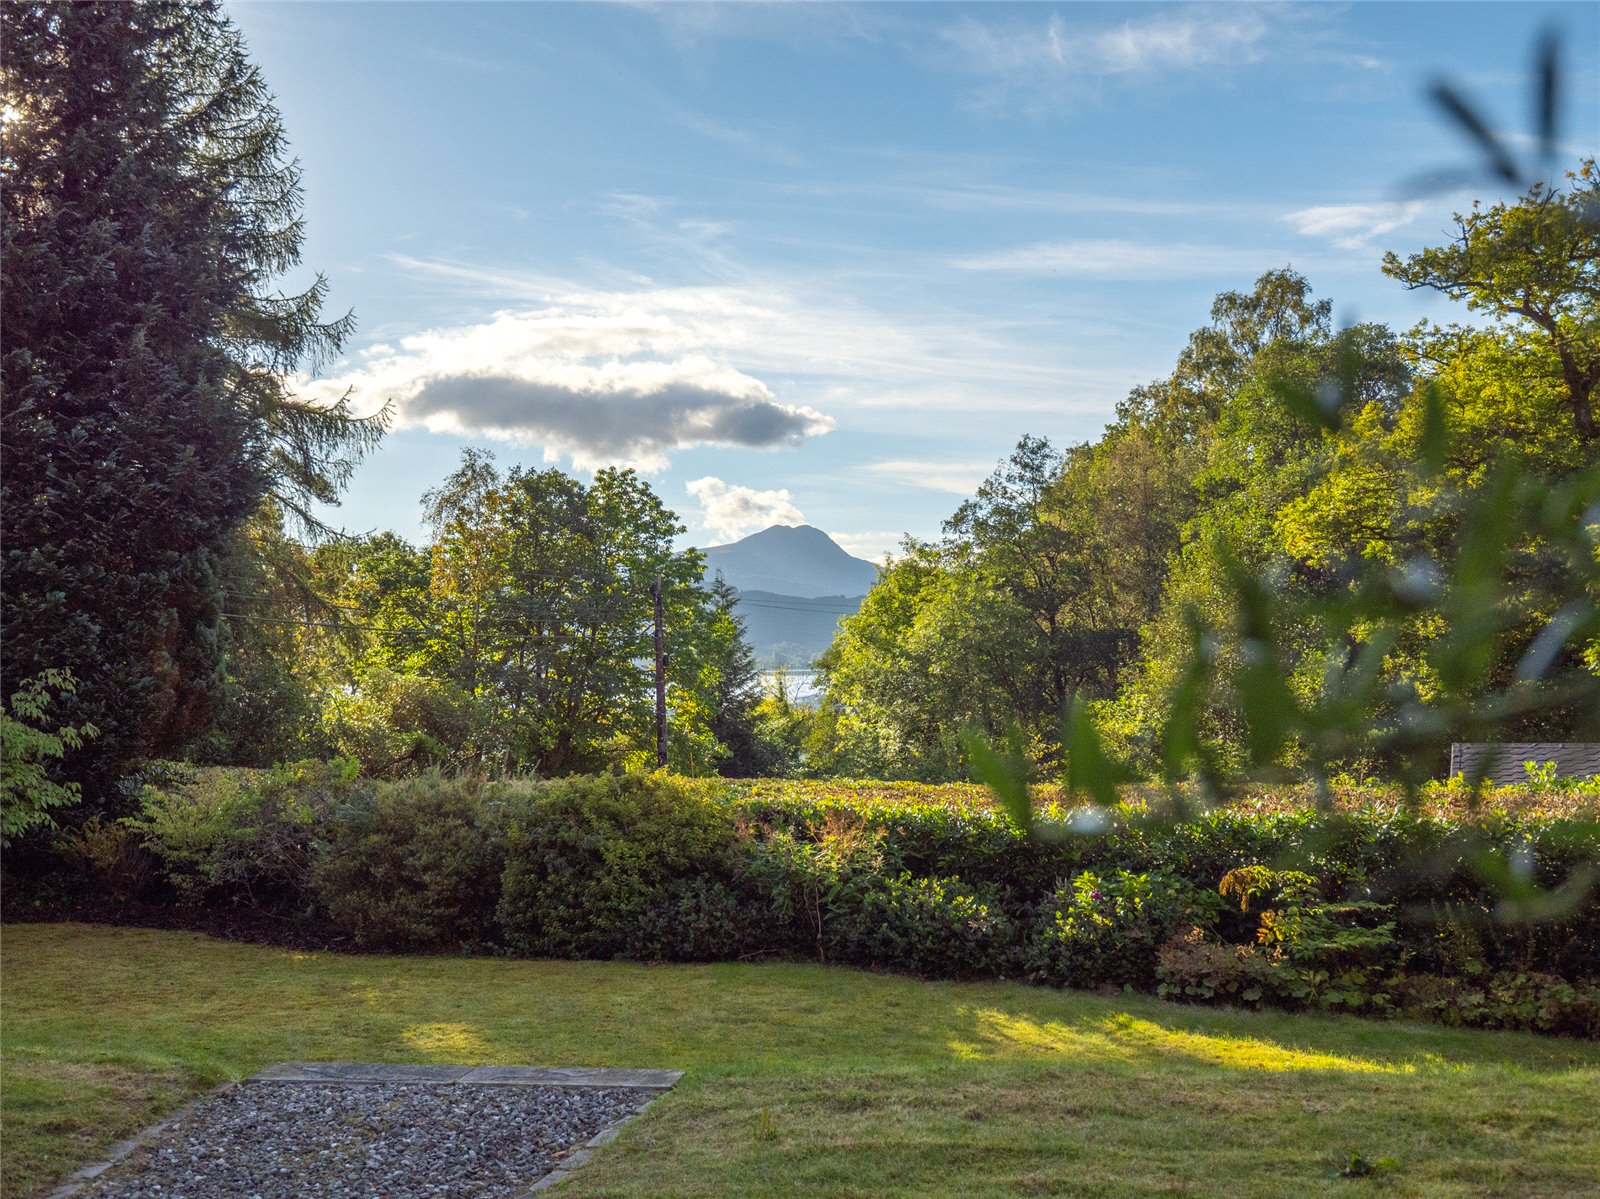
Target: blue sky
{"x":829,"y":262}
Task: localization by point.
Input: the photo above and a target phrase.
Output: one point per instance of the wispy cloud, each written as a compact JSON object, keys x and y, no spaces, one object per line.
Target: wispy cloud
{"x":1055,"y":58}
{"x":1353,"y":226}
{"x":1116,"y":258}
{"x":805,"y":337}
{"x":730,"y":511}
{"x":958,"y":478}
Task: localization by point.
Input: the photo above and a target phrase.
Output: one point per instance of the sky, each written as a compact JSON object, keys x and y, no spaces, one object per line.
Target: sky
{"x":828,"y":263}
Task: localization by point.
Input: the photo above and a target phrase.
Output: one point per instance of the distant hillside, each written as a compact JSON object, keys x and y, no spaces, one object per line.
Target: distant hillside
{"x":791,"y":630}
{"x":798,"y":561}
{"x":794,"y":585}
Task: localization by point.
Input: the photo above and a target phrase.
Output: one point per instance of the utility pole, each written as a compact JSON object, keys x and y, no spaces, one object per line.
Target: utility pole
{"x":661,"y":681}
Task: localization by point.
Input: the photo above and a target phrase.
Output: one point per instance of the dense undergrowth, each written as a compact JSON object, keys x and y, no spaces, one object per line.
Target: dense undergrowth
{"x":1366,"y":905}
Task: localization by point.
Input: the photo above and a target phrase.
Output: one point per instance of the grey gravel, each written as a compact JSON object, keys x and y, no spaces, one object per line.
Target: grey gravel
{"x":384,"y":1140}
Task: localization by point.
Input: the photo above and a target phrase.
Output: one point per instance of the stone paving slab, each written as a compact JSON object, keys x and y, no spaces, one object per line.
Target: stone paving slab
{"x":570,"y":1076}
{"x":487,"y":1076}
{"x":332,"y":1072}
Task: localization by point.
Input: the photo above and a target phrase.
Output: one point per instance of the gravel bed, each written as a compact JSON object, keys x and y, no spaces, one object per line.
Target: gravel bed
{"x":382,"y":1140}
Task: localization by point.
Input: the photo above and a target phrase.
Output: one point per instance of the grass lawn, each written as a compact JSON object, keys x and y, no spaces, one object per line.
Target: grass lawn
{"x":808,"y":1080}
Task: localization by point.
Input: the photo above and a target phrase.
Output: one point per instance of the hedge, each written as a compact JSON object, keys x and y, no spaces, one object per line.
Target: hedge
{"x":1371,"y":909}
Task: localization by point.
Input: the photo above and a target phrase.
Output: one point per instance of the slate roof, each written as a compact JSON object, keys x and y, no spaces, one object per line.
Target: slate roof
{"x":1573,"y":759}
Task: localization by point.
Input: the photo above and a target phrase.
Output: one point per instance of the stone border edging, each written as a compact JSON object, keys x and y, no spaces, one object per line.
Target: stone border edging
{"x":79,"y":1179}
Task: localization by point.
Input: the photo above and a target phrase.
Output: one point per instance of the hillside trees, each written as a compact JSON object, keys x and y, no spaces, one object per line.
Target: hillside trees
{"x":1069,"y":574}
{"x":1427,"y":573}
{"x":1280,"y":460}
{"x":148,"y":207}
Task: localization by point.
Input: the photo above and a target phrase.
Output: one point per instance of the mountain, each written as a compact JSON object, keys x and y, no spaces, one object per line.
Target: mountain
{"x":794,"y":584}
{"x":791,"y":630}
{"x":787,"y":560}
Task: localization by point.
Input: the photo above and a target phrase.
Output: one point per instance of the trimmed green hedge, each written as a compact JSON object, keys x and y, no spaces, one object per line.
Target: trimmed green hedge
{"x":1373,"y":910}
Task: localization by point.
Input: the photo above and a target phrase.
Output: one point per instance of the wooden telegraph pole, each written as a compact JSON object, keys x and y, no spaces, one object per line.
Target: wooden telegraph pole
{"x":661,"y":681}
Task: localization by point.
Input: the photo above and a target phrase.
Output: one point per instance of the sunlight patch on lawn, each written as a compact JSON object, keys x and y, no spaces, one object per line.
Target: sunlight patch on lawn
{"x":1239,"y":1053}
{"x":1123,"y":1037}
{"x":1004,"y":1034}
{"x":453,"y":1042}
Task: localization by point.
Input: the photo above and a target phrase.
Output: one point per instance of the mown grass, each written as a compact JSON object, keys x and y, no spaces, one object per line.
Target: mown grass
{"x":811,"y":1080}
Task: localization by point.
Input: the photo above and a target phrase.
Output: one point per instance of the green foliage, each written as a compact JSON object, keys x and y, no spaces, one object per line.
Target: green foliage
{"x":1536,"y":261}
{"x":414,"y":865}
{"x":935,"y":927}
{"x":1313,"y":910}
{"x":993,"y":629}
{"x":27,"y":792}
{"x":1107,"y":928}
{"x":586,"y":858}
{"x":245,"y":837}
{"x":529,"y":616}
{"x":398,"y":724}
{"x":110,"y":858}
{"x":1340,"y":549}
{"x":1389,"y":557}
{"x":1507,"y":999}
{"x":1199,"y":969}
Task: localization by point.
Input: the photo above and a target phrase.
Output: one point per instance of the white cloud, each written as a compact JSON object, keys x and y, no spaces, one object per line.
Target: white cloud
{"x":871,"y":546}
{"x":958,"y":478}
{"x":730,"y":511}
{"x":1114,"y":258}
{"x":800,"y":336}
{"x":599,"y":377}
{"x":1353,"y":226}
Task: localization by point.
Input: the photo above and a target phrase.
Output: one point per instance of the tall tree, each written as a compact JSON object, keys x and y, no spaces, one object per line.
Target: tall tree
{"x":1537,"y":262}
{"x":148,"y":207}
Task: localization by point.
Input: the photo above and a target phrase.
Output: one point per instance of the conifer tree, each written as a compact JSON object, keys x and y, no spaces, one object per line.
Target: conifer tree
{"x":148,"y":206}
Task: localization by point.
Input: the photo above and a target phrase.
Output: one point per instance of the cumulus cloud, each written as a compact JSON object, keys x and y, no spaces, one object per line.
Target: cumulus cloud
{"x":602,"y":379}
{"x":730,"y":511}
{"x":1353,"y":226}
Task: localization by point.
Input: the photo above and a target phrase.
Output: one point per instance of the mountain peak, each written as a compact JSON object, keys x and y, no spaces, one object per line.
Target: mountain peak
{"x":799,"y":560}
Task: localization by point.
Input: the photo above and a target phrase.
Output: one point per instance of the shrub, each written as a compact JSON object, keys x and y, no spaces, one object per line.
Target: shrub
{"x":809,"y":885}
{"x":400,"y":724}
{"x":1533,"y":1001}
{"x":1300,"y":925}
{"x":935,"y":927}
{"x":1195,"y":968}
{"x":414,"y":865}
{"x":696,"y":920}
{"x":27,"y":792}
{"x":1107,"y":929}
{"x":244,"y":836}
{"x":585,"y":858}
{"x":109,"y":857}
